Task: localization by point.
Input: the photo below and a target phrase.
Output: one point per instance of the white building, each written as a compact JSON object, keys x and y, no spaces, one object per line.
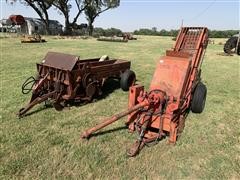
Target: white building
{"x":35,"y":25}
{"x":31,"y":26}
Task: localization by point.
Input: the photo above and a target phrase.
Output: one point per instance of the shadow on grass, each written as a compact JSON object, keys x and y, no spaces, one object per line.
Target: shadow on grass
{"x":108,"y":131}
{"x":46,"y":106}
{"x":109,"y":87}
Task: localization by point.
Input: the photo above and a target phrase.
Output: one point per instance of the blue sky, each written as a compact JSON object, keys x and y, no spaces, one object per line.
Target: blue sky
{"x":163,"y":14}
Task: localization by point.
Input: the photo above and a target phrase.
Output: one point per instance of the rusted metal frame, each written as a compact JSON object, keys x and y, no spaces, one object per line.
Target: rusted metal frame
{"x":186,"y":40}
{"x":52,"y":78}
{"x":203,"y":54}
{"x":161,"y":118}
{"x":140,"y":116}
{"x":58,"y":86}
{"x":50,"y":67}
{"x":188,"y":89}
{"x":77,"y":84}
{"x":202,"y":50}
{"x":111,"y":120}
{"x":177,"y":54}
{"x":36,"y":101}
{"x":69,"y":82}
{"x":39,"y":69}
{"x":102,"y":63}
{"x":107,"y":63}
{"x":194,"y":59}
{"x":40,"y":83}
{"x":181,"y":43}
{"x":134,"y":92}
{"x":115,"y":65}
{"x":70,"y":88}
{"x":172,"y":133}
{"x":147,"y":119}
{"x":199,"y":48}
{"x":180,"y":38}
{"x":49,"y":78}
{"x":109,"y":72}
{"x":190,"y":37}
{"x":87,"y":60}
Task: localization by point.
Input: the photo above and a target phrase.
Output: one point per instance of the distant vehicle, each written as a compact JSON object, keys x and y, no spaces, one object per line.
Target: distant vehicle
{"x":231,"y":45}
{"x":36,"y":38}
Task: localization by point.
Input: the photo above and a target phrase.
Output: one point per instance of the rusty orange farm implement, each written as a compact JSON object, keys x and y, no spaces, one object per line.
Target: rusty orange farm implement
{"x":63,"y":78}
{"x":175,"y":89}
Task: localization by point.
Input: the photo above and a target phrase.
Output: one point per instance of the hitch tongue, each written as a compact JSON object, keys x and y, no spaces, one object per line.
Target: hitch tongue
{"x":108,"y":121}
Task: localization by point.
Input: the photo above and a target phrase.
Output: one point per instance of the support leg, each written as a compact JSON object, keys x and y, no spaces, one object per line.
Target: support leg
{"x":173,"y":133}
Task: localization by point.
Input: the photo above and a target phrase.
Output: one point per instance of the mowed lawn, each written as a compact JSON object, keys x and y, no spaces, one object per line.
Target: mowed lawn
{"x":47,"y":143}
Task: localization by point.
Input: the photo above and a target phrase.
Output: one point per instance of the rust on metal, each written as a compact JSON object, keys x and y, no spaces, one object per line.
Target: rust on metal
{"x":111,"y":120}
{"x":60,"y":60}
{"x":64,"y":78}
{"x":175,"y":88}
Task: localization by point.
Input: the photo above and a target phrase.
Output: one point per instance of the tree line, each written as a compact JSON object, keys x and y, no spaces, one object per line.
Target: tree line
{"x":91,"y":8}
{"x":163,"y":32}
{"x":153,"y":32}
{"x":107,"y":32}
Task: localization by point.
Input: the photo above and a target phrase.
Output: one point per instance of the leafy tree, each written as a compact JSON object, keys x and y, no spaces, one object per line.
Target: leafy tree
{"x":173,"y":33}
{"x":144,"y":32}
{"x":41,"y":7}
{"x":163,"y":32}
{"x":98,"y":32}
{"x":64,"y":7}
{"x":154,"y":29}
{"x":113,"y":32}
{"x":95,"y":7}
{"x":107,"y":32}
{"x":222,"y":34}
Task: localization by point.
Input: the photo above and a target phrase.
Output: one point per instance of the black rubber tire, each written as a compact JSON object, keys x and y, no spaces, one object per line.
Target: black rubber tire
{"x":199,"y":98}
{"x":127,"y":79}
{"x":230,"y":44}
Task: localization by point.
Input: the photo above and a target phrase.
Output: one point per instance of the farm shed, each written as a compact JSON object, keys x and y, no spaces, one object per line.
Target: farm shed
{"x":29,"y":25}
{"x":35,"y":25}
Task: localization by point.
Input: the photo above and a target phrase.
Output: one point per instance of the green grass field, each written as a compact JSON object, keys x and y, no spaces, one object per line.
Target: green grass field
{"x":47,"y":144}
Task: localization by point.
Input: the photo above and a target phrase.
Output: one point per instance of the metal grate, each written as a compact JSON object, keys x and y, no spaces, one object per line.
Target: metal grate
{"x":190,"y":41}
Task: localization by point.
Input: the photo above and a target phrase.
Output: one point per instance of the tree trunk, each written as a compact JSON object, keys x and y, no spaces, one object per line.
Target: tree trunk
{"x":47,"y":29}
{"x":90,"y":28}
{"x":68,"y":30}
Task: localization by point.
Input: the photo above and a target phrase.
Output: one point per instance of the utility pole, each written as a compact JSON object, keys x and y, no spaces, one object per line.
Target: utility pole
{"x":182,"y":23}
